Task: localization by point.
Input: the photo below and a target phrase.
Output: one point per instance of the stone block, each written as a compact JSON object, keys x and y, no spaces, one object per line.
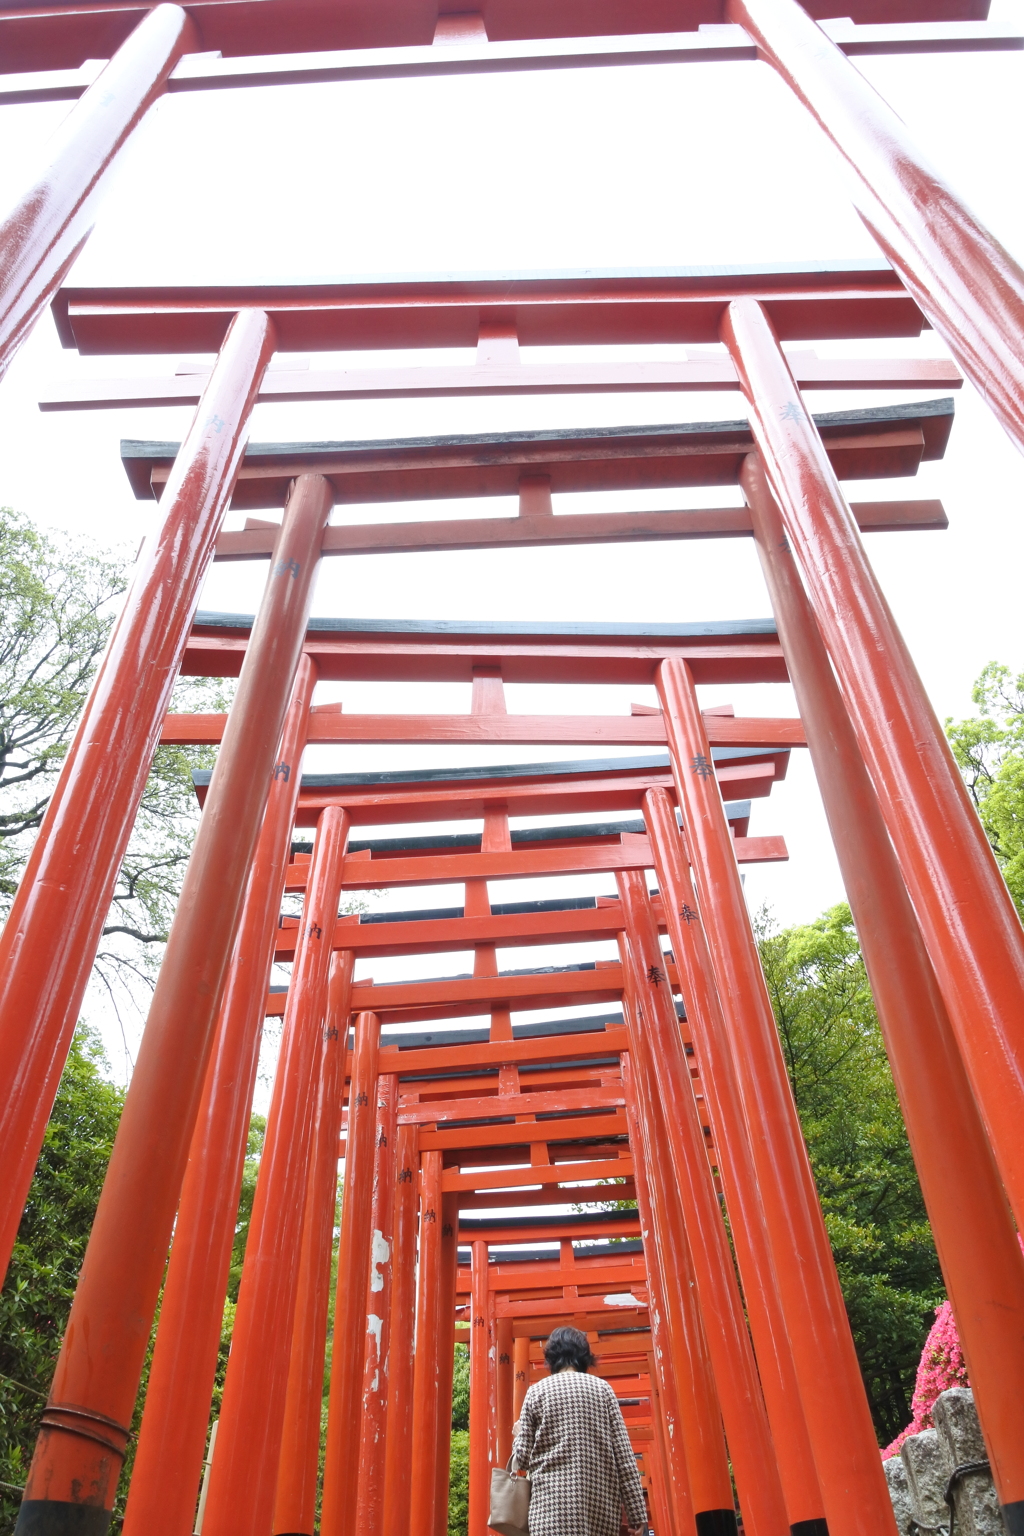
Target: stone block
{"x":899,"y":1493}
{"x":961,"y":1442}
{"x":956,"y":1420}
{"x":925,"y":1465}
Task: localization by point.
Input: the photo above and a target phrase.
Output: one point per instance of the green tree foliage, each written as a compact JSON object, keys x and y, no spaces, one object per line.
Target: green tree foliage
{"x":859,"y":1151}
{"x":460,"y":1388}
{"x":55,"y":600}
{"x":58,"y":599}
{"x":458,"y":1487}
{"x":989,"y":748}
{"x":40,"y":1284}
{"x":458,"y":1484}
{"x":459,"y":1463}
{"x":52,"y":1237}
{"x":250,"y":1169}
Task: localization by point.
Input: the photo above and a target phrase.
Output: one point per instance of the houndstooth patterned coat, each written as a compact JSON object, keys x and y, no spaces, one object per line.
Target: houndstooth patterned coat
{"x":572,"y":1439}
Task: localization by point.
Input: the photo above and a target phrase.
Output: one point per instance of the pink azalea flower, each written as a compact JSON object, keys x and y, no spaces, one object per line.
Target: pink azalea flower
{"x":942,"y":1366}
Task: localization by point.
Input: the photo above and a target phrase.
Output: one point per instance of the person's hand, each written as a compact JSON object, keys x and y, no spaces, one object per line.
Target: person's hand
{"x":637,"y":1530}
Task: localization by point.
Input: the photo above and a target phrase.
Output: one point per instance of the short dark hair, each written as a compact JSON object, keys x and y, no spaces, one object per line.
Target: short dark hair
{"x":568,"y":1347}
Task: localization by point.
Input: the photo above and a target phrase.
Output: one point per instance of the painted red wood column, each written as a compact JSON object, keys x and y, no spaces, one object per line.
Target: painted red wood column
{"x":295,"y":1494}
{"x":710,"y":1033}
{"x":520,"y":1376}
{"x":398,"y":1448}
{"x":688,"y":1365}
{"x":175,"y":1420}
{"x":376,"y":1400}
{"x":446,"y":1357}
{"x":45,"y":231}
{"x":504,"y":1374}
{"x":426,"y":1380}
{"x":661,"y":1508}
{"x":480,"y":1351}
{"x":751,"y":1451}
{"x":974,"y":1232}
{"x":85,"y":1424}
{"x":853,"y":1485}
{"x":967,"y":284}
{"x":492,"y":1384}
{"x":341,"y":1464}
{"x":48,"y":944}
{"x":244,"y":1476}
{"x":665,"y":1406}
{"x":970,"y":925}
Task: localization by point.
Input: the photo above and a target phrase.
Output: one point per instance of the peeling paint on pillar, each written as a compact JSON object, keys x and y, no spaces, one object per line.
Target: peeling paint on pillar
{"x":380,"y":1253}
{"x":375,"y":1327}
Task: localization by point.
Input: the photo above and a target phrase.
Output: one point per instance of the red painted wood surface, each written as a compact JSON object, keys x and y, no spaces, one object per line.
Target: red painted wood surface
{"x":542,"y":730}
{"x":51,"y":934}
{"x":706,"y":373}
{"x":437,"y":654}
{"x":62,"y":35}
{"x":572,"y":309}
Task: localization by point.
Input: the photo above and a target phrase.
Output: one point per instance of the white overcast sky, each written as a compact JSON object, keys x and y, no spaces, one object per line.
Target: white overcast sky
{"x":650,"y":166}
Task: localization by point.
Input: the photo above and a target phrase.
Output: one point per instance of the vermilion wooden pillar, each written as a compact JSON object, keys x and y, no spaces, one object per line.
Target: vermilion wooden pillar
{"x":655,"y":1034}
{"x":243,"y":1481}
{"x":971,"y":1222}
{"x":348,"y":1351}
{"x":974,"y":936}
{"x":480,"y":1349}
{"x":45,"y":231}
{"x":665,"y":1407}
{"x":504,"y":1383}
{"x":181,"y":1376}
{"x":426,"y":1383}
{"x":492,"y":1383}
{"x":376,"y":1403}
{"x":520,"y":1376}
{"x":104,"y":1347}
{"x":707,"y":1023}
{"x":295,"y":1494}
{"x":853,"y":1485}
{"x":660,"y":1506}
{"x":398,"y":1448}
{"x":446,"y":1357}
{"x":48,"y":943}
{"x":688,"y":1365}
{"x":967,"y":284}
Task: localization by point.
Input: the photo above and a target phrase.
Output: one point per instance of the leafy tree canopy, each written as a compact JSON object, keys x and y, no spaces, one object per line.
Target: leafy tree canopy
{"x":989,"y":748}
{"x":460,"y":1388}
{"x":55,"y":598}
{"x":40,"y":1285}
{"x":458,"y":1474}
{"x":458,"y":1485}
{"x":58,"y":601}
{"x":36,"y":1297}
{"x":859,"y":1151}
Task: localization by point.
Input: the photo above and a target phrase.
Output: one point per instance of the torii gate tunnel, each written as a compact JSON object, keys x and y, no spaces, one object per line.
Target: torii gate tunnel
{"x":658,"y":1072}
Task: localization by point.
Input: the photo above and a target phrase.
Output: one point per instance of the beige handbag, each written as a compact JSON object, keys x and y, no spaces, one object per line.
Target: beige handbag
{"x":510,"y":1501}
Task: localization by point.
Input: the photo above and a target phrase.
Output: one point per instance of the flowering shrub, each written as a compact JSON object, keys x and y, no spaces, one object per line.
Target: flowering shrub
{"x":942,"y":1366}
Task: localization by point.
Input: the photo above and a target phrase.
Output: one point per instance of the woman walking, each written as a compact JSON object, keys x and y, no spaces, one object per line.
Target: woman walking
{"x":572,"y":1439}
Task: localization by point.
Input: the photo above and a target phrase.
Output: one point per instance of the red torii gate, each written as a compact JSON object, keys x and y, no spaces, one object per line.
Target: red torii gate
{"x":900,"y":435}
{"x":942,"y":942}
{"x":734,"y":652}
{"x":954,"y":267}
